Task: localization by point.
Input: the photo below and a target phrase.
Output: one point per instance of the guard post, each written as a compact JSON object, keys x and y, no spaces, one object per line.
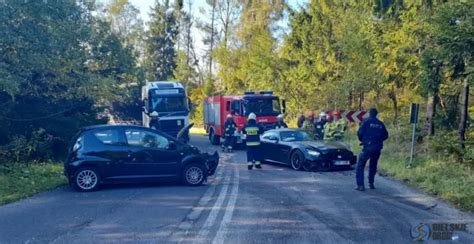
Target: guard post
{"x":415,"y":107}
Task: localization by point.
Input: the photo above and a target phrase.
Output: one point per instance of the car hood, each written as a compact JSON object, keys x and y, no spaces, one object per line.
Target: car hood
{"x":184,"y":131}
{"x":325,"y":146}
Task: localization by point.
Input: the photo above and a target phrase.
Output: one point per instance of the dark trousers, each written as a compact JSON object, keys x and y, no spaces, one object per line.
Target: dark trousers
{"x":253,"y":155}
{"x":229,"y":141}
{"x":365,"y":155}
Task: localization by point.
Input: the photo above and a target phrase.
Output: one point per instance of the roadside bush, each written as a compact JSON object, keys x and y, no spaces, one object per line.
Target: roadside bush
{"x":35,"y":149}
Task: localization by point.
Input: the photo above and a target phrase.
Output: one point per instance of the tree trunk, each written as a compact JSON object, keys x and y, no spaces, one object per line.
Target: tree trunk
{"x":393,"y":96}
{"x":350,"y":98}
{"x":361,"y":100}
{"x":464,"y":111}
{"x":212,"y":37}
{"x":430,"y":112}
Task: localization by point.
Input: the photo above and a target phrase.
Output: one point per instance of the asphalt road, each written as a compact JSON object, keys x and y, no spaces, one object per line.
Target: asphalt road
{"x":272,"y":205}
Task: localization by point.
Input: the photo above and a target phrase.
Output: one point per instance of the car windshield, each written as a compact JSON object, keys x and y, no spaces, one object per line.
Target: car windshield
{"x":262,"y":106}
{"x":168,"y":104}
{"x":289,"y":136}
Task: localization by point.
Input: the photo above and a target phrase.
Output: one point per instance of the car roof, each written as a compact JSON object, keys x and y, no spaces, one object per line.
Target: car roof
{"x":108,"y":126}
{"x":282,"y":130}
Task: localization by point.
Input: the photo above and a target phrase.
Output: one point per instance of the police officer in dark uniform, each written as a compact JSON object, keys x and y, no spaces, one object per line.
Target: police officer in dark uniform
{"x":319,"y":126}
{"x":280,"y":124}
{"x":372,"y":133}
{"x":229,"y":130}
{"x":252,"y":130}
{"x":155,"y":121}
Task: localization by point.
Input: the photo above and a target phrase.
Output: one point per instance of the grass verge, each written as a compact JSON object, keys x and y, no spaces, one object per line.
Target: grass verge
{"x":197,"y":131}
{"x":19,"y":181}
{"x":433,"y":173}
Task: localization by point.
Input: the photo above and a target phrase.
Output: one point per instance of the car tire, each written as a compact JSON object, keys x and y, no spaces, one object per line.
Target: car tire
{"x":86,"y":179}
{"x":323,"y":166}
{"x":297,"y":159}
{"x":194,"y":174}
{"x":213,"y":138}
{"x":307,"y":167}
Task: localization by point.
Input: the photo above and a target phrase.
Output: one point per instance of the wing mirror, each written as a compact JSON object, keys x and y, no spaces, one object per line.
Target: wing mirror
{"x":274,"y":139}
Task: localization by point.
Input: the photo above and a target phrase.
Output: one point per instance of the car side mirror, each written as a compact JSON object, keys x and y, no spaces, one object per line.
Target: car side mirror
{"x":274,"y":140}
{"x":283,"y":103}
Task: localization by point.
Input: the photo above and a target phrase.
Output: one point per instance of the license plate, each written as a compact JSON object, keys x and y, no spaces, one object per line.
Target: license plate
{"x":341,"y":162}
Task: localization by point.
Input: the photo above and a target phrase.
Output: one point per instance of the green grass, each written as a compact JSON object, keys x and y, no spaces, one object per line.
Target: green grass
{"x":197,"y":131}
{"x":435,"y":174}
{"x":18,"y":181}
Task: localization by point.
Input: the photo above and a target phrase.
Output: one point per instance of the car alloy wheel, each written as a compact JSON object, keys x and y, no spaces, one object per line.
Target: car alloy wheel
{"x":194,"y":175}
{"x":86,"y":179}
{"x":296,"y":160}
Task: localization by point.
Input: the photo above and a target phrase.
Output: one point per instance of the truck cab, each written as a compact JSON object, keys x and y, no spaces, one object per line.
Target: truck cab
{"x":169,"y":100}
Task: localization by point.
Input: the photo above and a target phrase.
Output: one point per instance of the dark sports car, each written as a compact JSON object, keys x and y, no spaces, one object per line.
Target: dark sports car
{"x":294,"y":148}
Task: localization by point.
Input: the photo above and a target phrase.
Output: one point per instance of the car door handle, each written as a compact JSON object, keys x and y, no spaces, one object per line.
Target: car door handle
{"x":129,"y":154}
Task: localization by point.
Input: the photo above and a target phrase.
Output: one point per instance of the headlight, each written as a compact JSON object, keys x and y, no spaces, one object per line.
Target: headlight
{"x":313,"y":153}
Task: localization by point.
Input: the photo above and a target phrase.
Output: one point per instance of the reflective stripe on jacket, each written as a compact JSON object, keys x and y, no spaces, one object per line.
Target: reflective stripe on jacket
{"x":253,"y":131}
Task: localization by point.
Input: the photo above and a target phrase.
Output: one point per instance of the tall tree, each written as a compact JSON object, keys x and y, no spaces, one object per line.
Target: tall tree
{"x":161,"y":40}
{"x":453,"y":31}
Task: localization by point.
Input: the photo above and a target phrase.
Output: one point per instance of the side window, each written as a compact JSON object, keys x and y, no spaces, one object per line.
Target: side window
{"x":276,"y":106}
{"x":146,"y":139}
{"x":108,"y":137}
{"x":236,"y":107}
{"x":270,"y":136}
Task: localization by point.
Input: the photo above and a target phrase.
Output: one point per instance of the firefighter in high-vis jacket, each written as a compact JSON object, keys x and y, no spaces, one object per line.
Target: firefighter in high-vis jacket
{"x":252,"y":130}
{"x":335,"y":129}
{"x":308,"y":125}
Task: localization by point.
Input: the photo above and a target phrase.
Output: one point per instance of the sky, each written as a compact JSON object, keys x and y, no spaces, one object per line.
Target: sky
{"x":145,"y":5}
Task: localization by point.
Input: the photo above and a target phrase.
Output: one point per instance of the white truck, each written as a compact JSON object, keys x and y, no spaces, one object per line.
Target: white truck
{"x":169,"y":100}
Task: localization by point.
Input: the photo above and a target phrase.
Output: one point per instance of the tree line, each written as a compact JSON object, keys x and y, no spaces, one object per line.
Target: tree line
{"x":68,"y":64}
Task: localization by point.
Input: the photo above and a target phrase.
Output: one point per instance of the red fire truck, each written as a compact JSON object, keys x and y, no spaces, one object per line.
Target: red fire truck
{"x":264,"y":104}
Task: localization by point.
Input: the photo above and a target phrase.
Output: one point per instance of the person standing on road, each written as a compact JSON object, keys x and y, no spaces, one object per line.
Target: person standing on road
{"x":372,"y":133}
{"x":301,"y":120}
{"x":280,"y":124}
{"x":308,"y":125}
{"x":335,"y":129}
{"x":229,"y":127}
{"x":319,"y":126}
{"x":155,"y":121}
{"x":252,"y":130}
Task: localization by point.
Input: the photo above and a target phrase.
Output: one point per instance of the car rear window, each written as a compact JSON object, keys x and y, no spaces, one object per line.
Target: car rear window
{"x":109,"y":137}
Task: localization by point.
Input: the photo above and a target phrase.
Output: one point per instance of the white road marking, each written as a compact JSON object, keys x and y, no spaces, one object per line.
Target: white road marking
{"x":223,"y":228}
{"x":206,"y":228}
{"x":187,"y":224}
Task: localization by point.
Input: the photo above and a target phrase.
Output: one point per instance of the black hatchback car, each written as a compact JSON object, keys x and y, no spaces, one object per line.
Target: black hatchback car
{"x":124,"y":153}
